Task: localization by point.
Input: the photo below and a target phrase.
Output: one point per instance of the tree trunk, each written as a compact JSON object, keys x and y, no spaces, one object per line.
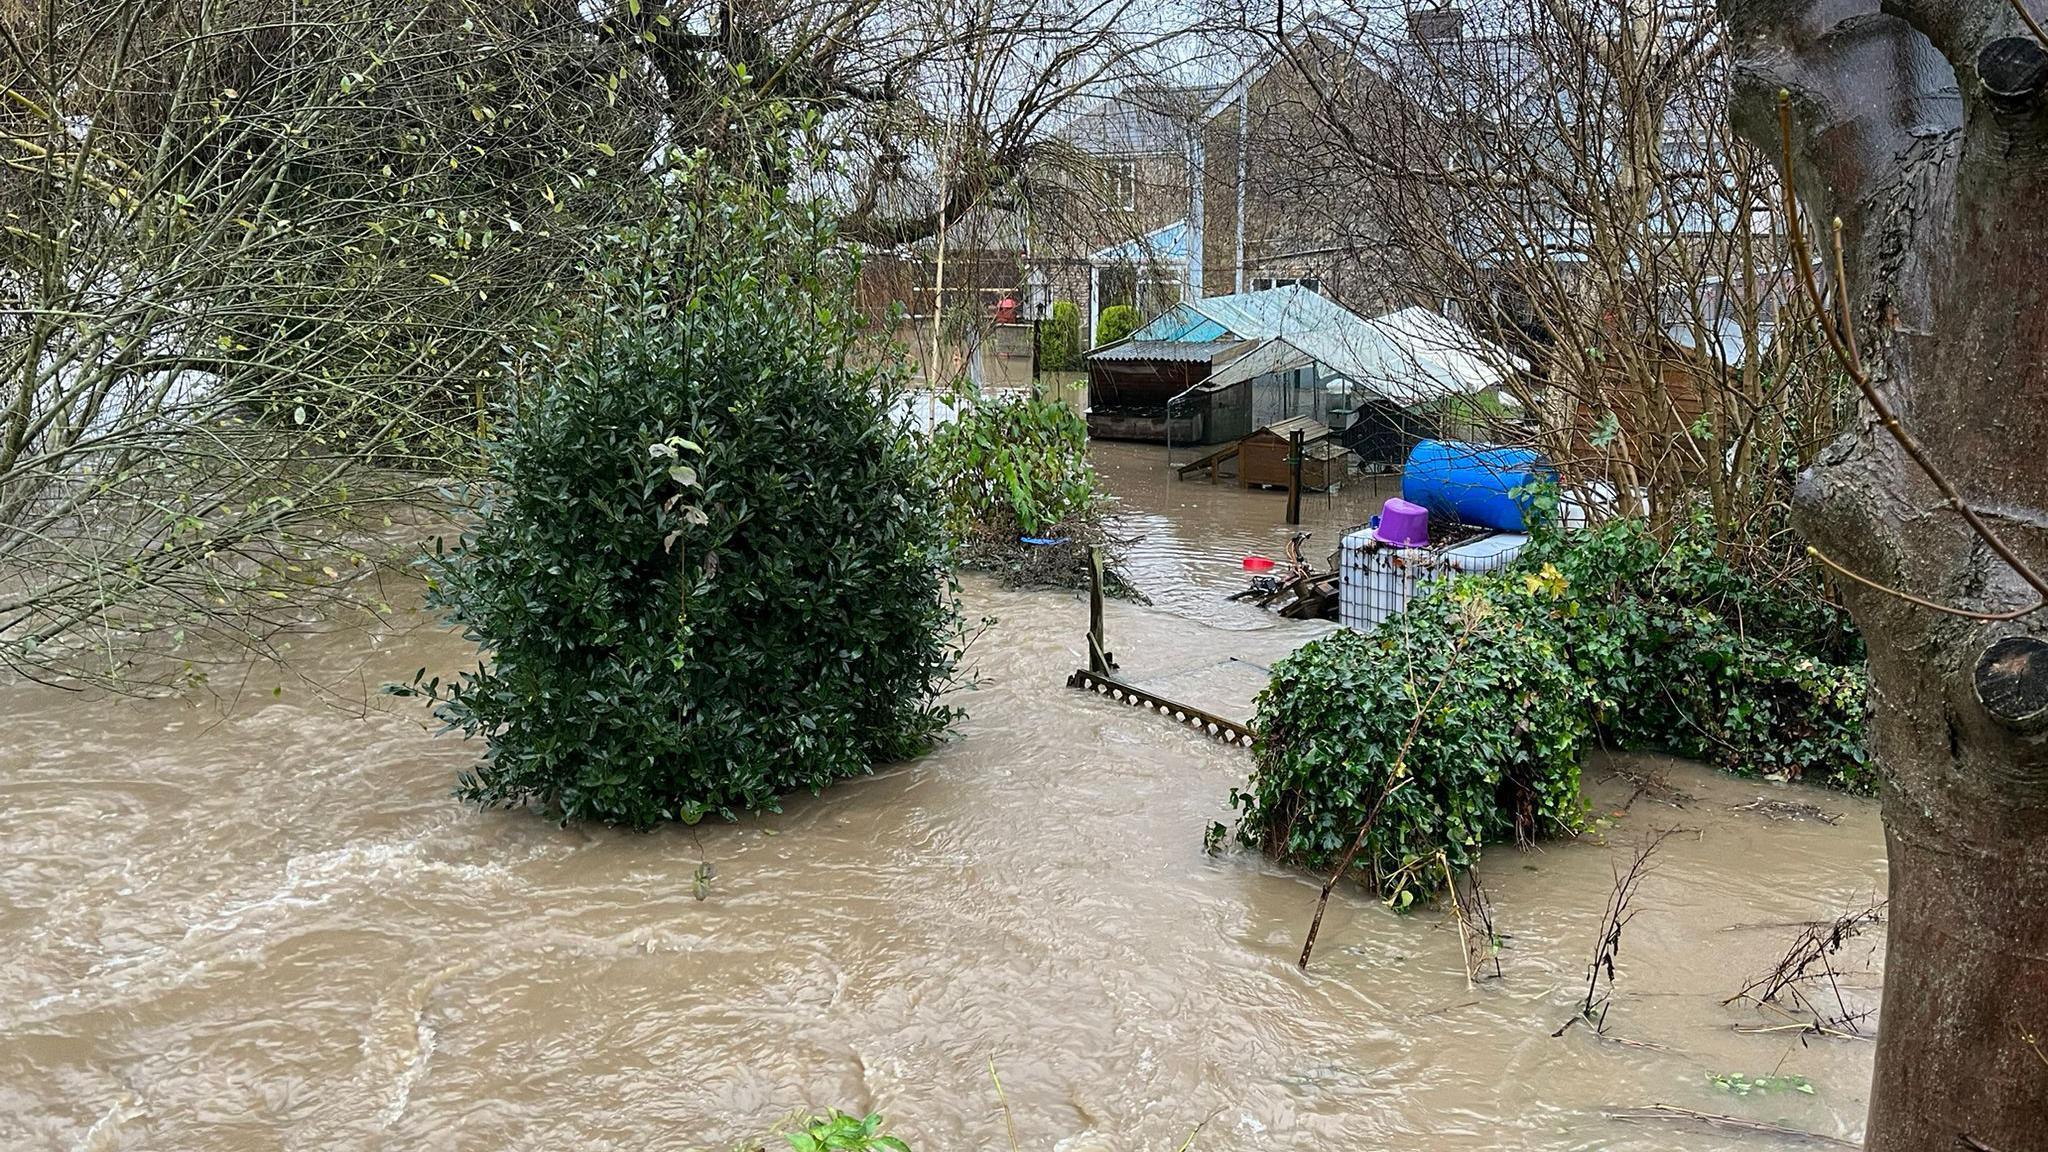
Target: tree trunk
{"x":1921,"y":125}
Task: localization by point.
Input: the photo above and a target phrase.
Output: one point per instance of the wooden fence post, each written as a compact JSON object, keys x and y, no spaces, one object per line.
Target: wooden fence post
{"x":1100,"y":661}
{"x":1293,"y":477}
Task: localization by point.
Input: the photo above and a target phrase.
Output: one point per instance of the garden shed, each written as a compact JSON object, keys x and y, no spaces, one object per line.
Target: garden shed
{"x":1262,"y":457}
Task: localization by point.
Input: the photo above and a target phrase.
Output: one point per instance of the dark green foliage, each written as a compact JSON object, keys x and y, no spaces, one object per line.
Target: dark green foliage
{"x":1059,"y":338}
{"x":708,"y":568}
{"x":1684,"y":651}
{"x":1495,"y":752}
{"x":1116,"y":322}
{"x":1013,"y":465}
{"x":1016,"y":467}
{"x":1650,"y":643}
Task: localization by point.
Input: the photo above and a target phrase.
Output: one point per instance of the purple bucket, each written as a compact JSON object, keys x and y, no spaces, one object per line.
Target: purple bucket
{"x":1404,"y":525}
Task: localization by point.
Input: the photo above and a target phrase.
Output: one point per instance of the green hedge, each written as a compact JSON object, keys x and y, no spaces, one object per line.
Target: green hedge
{"x":1059,"y":338}
{"x":1683,"y":651}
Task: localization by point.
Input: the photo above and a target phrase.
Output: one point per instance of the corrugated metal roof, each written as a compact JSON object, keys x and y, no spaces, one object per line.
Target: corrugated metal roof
{"x":1177,"y":351}
{"x":1408,"y":357}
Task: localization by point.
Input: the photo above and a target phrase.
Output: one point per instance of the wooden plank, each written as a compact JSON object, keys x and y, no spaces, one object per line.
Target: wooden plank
{"x":1294,"y":477}
{"x":1210,"y":462}
{"x":1215,"y":727}
{"x":1099,"y":657}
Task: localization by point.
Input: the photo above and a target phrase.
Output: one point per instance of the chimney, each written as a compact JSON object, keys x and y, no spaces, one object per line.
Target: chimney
{"x":1433,"y":25}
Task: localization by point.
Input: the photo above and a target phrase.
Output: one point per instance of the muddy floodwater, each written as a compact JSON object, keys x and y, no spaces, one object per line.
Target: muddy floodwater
{"x":255,"y":919}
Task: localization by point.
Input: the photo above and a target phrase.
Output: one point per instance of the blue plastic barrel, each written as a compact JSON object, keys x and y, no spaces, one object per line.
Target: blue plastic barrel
{"x":1475,"y":483}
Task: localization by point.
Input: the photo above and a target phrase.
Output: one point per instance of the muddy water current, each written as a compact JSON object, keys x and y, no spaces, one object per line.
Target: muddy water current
{"x":255,"y":919}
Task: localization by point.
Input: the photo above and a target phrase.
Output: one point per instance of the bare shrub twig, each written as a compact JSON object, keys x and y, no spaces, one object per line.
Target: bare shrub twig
{"x":1607,"y":947}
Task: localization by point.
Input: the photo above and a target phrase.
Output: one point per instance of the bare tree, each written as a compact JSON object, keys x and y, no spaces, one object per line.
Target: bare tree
{"x":932,"y":107}
{"x":261,"y":275}
{"x":1921,"y":126}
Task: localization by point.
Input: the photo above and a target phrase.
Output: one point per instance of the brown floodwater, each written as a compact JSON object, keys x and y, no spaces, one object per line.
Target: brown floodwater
{"x":255,"y":919}
{"x":1189,"y":538}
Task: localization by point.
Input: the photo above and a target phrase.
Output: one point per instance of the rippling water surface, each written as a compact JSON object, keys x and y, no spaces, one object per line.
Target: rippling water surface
{"x":256,"y":920}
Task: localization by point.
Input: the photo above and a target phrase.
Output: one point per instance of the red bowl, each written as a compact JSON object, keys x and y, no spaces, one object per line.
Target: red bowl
{"x":1257,"y":564}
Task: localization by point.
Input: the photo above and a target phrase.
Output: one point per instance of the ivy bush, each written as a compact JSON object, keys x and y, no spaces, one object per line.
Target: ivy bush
{"x":707,"y":568}
{"x":1465,"y":719}
{"x":1458,"y":722}
{"x":1683,"y":650}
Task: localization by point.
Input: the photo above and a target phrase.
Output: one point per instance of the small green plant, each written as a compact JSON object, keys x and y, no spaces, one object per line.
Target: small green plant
{"x":1116,"y":322}
{"x":840,"y":1132}
{"x":1214,"y":837}
{"x":1736,"y":1084}
{"x":1059,"y":338}
{"x":1013,"y":465}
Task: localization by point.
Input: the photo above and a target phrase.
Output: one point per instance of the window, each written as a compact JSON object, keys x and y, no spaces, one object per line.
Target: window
{"x":1684,"y":306}
{"x":1123,"y":185}
{"x":1312,"y":283}
{"x":1158,"y":295}
{"x":1116,"y":285}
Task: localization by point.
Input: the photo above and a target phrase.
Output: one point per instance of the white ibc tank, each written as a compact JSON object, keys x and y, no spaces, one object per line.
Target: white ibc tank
{"x":1376,"y":581}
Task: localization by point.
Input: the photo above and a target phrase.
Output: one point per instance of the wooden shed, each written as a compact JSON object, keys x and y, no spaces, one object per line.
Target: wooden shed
{"x":1133,"y":382}
{"x":1262,"y":456}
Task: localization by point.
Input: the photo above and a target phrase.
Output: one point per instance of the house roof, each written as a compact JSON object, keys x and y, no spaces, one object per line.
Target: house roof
{"x":1316,"y":30}
{"x":1409,"y":357}
{"x":1139,"y":118}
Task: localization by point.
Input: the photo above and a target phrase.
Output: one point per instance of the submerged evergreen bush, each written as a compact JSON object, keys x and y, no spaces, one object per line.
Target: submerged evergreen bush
{"x":1022,"y":498}
{"x":1686,"y":652}
{"x":707,"y":567}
